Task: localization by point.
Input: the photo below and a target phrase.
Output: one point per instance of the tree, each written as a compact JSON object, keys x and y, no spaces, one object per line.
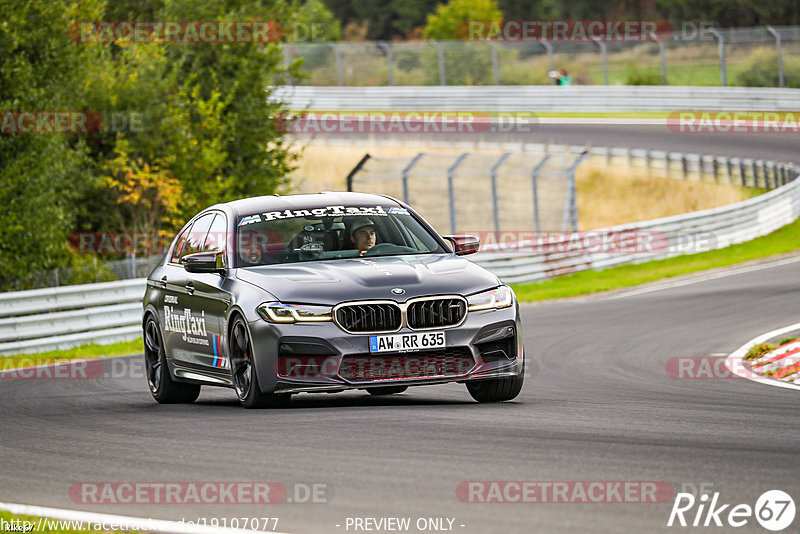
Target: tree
{"x":450,"y":19}
{"x":41,"y":174}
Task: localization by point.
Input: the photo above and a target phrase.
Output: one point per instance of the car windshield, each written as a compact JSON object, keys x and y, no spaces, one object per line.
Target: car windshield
{"x":329,"y":233}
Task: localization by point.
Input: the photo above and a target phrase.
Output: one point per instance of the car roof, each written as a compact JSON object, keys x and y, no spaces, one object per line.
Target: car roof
{"x":253,"y":205}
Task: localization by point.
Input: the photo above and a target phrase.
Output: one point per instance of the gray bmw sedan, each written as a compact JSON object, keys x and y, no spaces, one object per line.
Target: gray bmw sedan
{"x":278,"y":295}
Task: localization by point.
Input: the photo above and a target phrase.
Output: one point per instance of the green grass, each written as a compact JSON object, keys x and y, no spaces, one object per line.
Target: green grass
{"x":77,"y":353}
{"x":786,"y":239}
{"x":694,"y":74}
{"x":47,"y":525}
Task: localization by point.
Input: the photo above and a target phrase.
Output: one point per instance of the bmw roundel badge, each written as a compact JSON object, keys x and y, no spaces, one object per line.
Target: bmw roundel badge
{"x":398,"y":290}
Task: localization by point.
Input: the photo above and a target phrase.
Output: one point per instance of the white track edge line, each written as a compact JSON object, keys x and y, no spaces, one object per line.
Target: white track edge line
{"x":738,"y":354}
{"x":706,"y":278}
{"x":140,"y":523}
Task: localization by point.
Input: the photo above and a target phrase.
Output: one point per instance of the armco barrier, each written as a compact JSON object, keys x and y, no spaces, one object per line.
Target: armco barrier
{"x":62,"y":317}
{"x":58,"y":318}
{"x":532,"y":98}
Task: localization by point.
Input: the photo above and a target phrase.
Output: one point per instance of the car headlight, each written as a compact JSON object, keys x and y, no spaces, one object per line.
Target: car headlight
{"x":494,"y":299}
{"x":278,"y":312}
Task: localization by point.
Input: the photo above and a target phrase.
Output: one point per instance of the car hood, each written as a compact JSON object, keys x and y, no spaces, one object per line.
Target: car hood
{"x":333,"y":281}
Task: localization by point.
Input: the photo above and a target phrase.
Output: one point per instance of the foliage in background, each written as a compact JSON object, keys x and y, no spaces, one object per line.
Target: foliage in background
{"x":393,"y":19}
{"x":760,"y":69}
{"x":41,"y":176}
{"x":450,"y":19}
{"x":196,"y":127}
{"x":636,"y":75}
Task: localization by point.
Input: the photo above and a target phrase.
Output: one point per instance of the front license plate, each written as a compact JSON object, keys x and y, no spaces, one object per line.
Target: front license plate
{"x":407,"y":342}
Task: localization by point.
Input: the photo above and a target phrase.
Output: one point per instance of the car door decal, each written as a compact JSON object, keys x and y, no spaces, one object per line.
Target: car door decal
{"x":219,"y":358}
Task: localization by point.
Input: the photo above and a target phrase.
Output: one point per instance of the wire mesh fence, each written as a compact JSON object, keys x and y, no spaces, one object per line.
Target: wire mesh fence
{"x":95,"y":271}
{"x":468,"y":192}
{"x":696,"y":55}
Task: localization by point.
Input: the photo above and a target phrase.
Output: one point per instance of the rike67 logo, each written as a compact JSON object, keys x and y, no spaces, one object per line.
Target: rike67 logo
{"x":774,"y":510}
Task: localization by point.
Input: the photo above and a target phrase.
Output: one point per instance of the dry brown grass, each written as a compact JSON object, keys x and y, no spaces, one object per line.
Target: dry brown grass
{"x":607,"y":195}
{"x":325,"y":167}
{"x":611,"y":195}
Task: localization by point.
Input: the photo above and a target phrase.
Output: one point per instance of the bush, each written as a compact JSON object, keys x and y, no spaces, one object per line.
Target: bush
{"x":760,"y":69}
{"x":642,"y":76}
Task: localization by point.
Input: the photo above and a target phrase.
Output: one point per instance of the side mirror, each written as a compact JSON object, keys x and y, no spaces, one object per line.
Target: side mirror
{"x":464,"y":244}
{"x":204,"y":262}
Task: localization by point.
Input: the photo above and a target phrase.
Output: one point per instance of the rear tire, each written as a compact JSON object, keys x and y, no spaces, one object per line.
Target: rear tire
{"x":162,"y":387}
{"x":391,"y":390}
{"x":497,"y":389}
{"x":243,"y":372}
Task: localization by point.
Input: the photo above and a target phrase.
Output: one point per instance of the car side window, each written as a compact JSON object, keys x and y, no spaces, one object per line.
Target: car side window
{"x":197,"y":235}
{"x":179,"y":244}
{"x":217,"y":235}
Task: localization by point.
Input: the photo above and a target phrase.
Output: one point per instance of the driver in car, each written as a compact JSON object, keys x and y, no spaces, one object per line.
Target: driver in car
{"x":362,"y":234}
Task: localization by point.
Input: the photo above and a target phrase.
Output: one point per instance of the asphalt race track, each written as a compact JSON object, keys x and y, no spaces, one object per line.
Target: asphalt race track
{"x":598,"y":404}
{"x":777,"y":146}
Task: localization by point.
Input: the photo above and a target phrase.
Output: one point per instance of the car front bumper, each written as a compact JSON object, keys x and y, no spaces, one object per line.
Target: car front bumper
{"x":320,"y":357}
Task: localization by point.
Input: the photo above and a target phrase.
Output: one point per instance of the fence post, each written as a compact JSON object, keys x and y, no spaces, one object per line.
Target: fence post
{"x":287,"y":61}
{"x":755,"y":173}
{"x":355,"y":170}
{"x":742,"y":173}
{"x":722,"y":66}
{"x":450,"y":192}
{"x":684,"y":167}
{"x":495,"y":207}
{"x":765,"y":172}
{"x":663,"y":58}
{"x":715,"y":168}
{"x":781,"y":79}
{"x":339,"y":66}
{"x":604,"y":53}
{"x":405,"y":174}
{"x":387,"y":48}
{"x":572,"y":204}
{"x":535,"y":184}
{"x":550,"y":63}
{"x":495,"y":63}
{"x":729,"y":164}
{"x":440,"y":54}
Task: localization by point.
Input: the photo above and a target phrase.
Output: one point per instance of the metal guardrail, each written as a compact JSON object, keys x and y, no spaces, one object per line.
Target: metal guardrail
{"x":532,"y":98}
{"x":63,"y":317}
{"x":58,"y":318}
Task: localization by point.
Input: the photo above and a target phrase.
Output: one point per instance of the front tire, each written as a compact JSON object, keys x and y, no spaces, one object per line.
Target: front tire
{"x":497,"y":389}
{"x":243,"y":372}
{"x":162,"y":387}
